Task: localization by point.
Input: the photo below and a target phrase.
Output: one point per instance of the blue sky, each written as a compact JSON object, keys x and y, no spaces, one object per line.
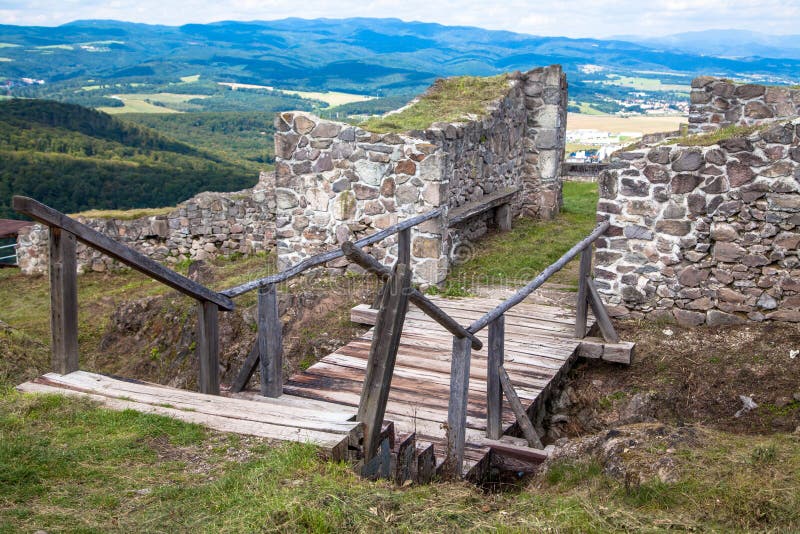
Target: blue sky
{"x":580,"y":18}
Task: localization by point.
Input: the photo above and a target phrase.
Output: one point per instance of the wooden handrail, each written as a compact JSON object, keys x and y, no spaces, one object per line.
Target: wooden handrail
{"x":325,"y":257}
{"x":55,"y":219}
{"x":358,"y":256}
{"x":534,"y":284}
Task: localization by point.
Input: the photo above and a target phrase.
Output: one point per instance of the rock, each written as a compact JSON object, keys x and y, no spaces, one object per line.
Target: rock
{"x":684,"y":183}
{"x":634,"y":231}
{"x":692,"y":276}
{"x":405,"y":166}
{"x":559,"y":418}
{"x":426,"y":247}
{"x":326,"y":129}
{"x":757,"y":110}
{"x":673,"y":227}
{"x":407,"y":194}
{"x":719,"y":318}
{"x":303,"y":124}
{"x":748,"y":91}
{"x":724,"y":232}
{"x":688,"y":160}
{"x":739,"y":174}
{"x":728,"y":252}
{"x":747,"y":404}
{"x":688,"y":318}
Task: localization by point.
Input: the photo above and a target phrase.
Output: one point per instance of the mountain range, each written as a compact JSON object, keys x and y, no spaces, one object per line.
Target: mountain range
{"x":368,"y":56}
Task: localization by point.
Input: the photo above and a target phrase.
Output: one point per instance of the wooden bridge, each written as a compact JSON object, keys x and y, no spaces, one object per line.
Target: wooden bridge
{"x":408,"y":400}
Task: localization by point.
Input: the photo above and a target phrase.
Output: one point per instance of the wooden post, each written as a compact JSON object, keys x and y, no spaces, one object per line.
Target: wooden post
{"x":404,"y":247}
{"x":494,"y":392}
{"x":63,"y":301}
{"x":582,"y":305}
{"x":502,"y":217}
{"x":382,"y":356}
{"x":457,"y":408}
{"x":519,"y":411}
{"x":600,"y":313}
{"x":208,"y":346}
{"x":247,"y":370}
{"x":270,"y":342}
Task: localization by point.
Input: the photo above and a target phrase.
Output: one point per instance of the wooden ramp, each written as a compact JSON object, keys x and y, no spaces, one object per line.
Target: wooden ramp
{"x":540,"y":346}
{"x":286,"y":418}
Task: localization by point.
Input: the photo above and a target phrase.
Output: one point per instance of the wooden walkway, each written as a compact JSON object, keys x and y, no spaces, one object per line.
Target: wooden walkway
{"x":319,"y":404}
{"x":540,"y":346}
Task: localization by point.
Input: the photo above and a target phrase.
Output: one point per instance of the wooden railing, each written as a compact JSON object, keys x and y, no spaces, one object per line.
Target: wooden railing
{"x":64,"y":232}
{"x":498,"y":381}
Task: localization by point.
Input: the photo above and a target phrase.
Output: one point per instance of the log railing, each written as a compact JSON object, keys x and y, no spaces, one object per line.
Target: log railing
{"x":498,"y":381}
{"x":64,"y":233}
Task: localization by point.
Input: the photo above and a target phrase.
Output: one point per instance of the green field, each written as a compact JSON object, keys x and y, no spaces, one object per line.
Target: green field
{"x":8,"y":45}
{"x":148,"y":103}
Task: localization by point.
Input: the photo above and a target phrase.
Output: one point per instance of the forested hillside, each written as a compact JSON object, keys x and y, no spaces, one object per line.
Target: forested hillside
{"x":74,"y":158}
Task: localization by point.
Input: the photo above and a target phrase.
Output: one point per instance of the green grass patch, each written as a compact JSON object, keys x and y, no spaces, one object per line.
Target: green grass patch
{"x":447,"y":100}
{"x":712,"y":138}
{"x":516,"y":257}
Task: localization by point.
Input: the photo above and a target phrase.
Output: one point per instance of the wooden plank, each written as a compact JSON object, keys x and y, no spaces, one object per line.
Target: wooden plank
{"x":404,"y":247}
{"x":319,"y":259}
{"x":582,"y":303}
{"x":519,"y":411}
{"x":333,"y":443}
{"x":270,"y":412}
{"x":426,"y":463}
{"x":502,"y":217}
{"x":372,"y":265}
{"x":208,"y":347}
{"x":487,"y":202}
{"x":457,"y":408}
{"x":599,"y":309}
{"x":523,"y":293}
{"x":63,"y":301}
{"x":383,"y":353}
{"x":116,"y":250}
{"x":270,"y":342}
{"x":247,"y":370}
{"x":405,"y":452}
{"x":530,"y":454}
{"x":494,"y":392}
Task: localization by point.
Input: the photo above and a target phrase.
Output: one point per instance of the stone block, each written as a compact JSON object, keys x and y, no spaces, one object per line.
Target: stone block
{"x":728,"y":252}
{"x":688,"y":318}
{"x":426,"y":247}
{"x":719,"y":318}
{"x":688,"y":160}
{"x":684,"y":183}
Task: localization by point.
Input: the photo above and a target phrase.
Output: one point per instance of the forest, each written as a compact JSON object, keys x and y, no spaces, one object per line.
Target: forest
{"x":74,"y":158}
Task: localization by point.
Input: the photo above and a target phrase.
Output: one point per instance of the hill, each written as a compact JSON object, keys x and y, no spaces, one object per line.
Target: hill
{"x":74,"y":158}
{"x":90,"y":61}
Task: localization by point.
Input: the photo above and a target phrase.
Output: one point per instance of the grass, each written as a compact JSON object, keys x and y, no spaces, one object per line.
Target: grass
{"x":448,"y":100}
{"x":124,"y":215}
{"x":712,"y":138}
{"x":643,"y":84}
{"x":516,"y":257}
{"x":66,"y":464}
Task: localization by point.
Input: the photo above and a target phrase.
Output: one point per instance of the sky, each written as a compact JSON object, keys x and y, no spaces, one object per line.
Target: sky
{"x":581,"y":18}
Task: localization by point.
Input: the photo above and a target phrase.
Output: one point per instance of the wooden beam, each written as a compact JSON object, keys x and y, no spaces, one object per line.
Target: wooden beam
{"x":433,"y":311}
{"x":63,"y":301}
{"x":270,"y":342}
{"x":534,"y":284}
{"x":487,"y":202}
{"x":600,"y":349}
{"x":325,"y":257}
{"x":519,"y":411}
{"x":125,"y":254}
{"x":601,"y":314}
{"x":502,"y":217}
{"x":382,"y":356}
{"x":457,"y":407}
{"x":208,"y":347}
{"x":582,"y":304}
{"x":494,"y":391}
{"x":247,"y":370}
{"x":404,"y":246}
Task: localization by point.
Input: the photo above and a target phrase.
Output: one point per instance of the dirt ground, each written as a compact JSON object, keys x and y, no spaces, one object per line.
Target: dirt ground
{"x":690,"y":376}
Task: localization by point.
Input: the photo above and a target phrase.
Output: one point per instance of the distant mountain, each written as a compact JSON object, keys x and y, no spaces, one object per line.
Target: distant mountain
{"x":725,"y":43}
{"x":358,"y":55}
{"x":74,"y":159}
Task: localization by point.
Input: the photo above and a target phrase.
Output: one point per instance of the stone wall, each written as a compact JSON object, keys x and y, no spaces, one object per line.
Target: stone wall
{"x":205,"y":226}
{"x":716,"y":103}
{"x":336,"y":182}
{"x":705,"y":234}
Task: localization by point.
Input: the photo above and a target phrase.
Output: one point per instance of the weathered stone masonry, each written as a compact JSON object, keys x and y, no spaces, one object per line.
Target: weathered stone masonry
{"x":336,"y":182}
{"x":705,"y":234}
{"x":717,"y":103}
{"x":205,"y":226}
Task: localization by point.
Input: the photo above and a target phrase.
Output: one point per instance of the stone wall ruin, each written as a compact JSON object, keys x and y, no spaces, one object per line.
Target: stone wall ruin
{"x":336,"y":182}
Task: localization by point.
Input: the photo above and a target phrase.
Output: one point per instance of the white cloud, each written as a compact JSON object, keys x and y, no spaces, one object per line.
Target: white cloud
{"x":580,"y":18}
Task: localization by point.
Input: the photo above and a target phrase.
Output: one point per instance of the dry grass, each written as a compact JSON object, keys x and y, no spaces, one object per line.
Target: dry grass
{"x":124,"y":215}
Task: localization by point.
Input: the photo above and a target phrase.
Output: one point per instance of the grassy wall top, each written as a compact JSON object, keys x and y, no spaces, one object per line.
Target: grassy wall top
{"x":447,"y":100}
